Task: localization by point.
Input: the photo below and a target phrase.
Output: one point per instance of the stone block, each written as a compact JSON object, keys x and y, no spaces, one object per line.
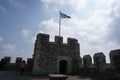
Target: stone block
{"x":59,"y":39}
{"x":99,"y":60}
{"x":72,"y":41}
{"x":87,"y":61}
{"x":7,"y":60}
{"x":115,"y":59}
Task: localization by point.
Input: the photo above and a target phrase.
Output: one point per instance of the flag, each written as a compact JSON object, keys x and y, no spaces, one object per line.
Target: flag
{"x":62,"y":15}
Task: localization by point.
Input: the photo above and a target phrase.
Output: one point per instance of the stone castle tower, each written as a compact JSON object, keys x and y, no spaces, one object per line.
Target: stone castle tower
{"x":55,"y":57}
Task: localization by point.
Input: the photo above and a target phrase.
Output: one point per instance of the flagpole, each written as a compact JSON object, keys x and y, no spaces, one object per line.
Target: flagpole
{"x":59,"y":23}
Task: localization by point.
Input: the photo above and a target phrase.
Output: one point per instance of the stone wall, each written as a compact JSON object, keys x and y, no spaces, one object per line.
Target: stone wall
{"x":5,"y":64}
{"x":49,"y":57}
{"x":99,"y":63}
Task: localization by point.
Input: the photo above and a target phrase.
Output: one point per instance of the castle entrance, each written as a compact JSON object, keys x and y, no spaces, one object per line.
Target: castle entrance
{"x":63,"y":67}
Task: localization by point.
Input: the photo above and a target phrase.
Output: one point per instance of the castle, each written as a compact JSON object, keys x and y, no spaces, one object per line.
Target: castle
{"x":64,"y":58}
{"x":56,"y":57}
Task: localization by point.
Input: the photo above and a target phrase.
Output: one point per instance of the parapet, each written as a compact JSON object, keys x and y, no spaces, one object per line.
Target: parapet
{"x":59,"y":39}
{"x":18,"y":59}
{"x":7,"y":59}
{"x":72,"y":41}
{"x":42,"y":40}
{"x":99,"y":59}
{"x":114,"y":54}
{"x":43,"y":37}
{"x":87,"y":61}
{"x":100,"y":54}
{"x":87,"y":57}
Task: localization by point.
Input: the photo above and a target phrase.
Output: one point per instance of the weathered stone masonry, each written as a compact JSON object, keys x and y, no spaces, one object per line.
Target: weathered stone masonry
{"x":55,"y":57}
{"x":58,"y":57}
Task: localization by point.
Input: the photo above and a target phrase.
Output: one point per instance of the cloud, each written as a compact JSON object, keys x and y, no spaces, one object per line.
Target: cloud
{"x":8,"y":48}
{"x":48,"y":2}
{"x":17,"y":3}
{"x":12,"y":51}
{"x":76,"y":4}
{"x":83,"y":29}
{"x":1,"y":39}
{"x":114,"y":33}
{"x":116,"y":11}
{"x":103,"y":2}
{"x":51,"y":27}
{"x":92,"y":33}
{"x":2,"y":9}
{"x":26,"y":34}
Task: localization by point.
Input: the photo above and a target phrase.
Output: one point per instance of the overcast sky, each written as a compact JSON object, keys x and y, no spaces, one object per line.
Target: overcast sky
{"x":95,"y":23}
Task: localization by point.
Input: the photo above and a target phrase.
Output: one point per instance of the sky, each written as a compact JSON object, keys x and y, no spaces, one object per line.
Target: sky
{"x":94,"y":23}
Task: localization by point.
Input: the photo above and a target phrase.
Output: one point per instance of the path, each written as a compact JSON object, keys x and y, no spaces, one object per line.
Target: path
{"x":10,"y":75}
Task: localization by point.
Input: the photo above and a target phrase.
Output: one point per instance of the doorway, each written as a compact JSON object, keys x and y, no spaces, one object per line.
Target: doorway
{"x":63,"y":67}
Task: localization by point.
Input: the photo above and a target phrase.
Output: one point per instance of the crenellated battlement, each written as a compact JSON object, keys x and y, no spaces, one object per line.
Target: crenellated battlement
{"x":50,"y":54}
{"x":99,"y":61}
{"x":49,"y":57}
{"x":59,"y":39}
{"x":44,"y":38}
{"x":72,"y":41}
{"x":6,"y":65}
